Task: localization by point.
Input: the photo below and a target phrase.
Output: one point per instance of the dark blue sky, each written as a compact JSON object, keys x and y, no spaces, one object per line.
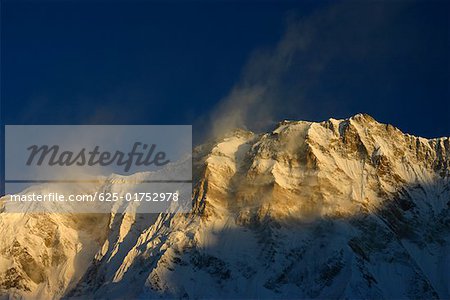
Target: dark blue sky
{"x":145,"y":62}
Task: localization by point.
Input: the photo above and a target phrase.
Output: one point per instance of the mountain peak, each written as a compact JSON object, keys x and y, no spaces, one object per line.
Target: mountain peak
{"x":372,"y":201}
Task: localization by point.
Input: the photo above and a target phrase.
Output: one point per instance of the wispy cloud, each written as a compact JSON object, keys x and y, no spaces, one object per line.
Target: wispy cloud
{"x":276,"y":82}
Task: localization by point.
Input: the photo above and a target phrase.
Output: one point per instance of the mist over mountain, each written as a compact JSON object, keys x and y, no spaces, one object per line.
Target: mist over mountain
{"x":349,"y":208}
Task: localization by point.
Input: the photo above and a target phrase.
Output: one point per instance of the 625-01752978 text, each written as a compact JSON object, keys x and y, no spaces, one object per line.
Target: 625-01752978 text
{"x":98,"y":196}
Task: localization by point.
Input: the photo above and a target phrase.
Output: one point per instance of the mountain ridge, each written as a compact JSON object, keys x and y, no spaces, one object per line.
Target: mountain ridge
{"x":332,"y":209}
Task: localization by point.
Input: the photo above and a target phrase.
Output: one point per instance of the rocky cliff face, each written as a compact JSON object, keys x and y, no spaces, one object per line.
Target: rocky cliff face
{"x":341,"y":208}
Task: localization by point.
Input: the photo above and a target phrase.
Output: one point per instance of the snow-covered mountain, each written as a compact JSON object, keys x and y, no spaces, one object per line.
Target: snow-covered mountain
{"x":338,"y":209}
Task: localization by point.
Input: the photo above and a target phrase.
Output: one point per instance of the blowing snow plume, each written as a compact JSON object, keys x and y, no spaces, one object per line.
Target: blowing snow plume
{"x":291,"y":80}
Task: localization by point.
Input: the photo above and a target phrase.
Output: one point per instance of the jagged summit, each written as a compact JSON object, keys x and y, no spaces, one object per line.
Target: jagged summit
{"x":348,"y":208}
{"x":363,"y":119}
